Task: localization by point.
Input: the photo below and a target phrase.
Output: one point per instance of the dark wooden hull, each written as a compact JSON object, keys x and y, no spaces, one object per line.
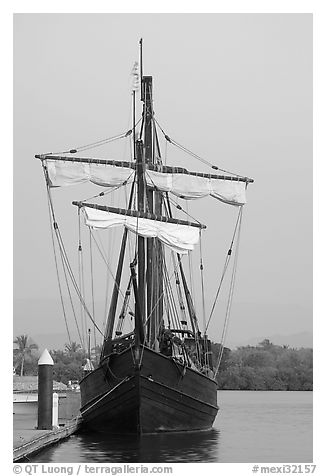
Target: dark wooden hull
{"x":161,"y":396}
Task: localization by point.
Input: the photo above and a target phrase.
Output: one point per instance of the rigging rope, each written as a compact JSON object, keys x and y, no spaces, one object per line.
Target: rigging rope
{"x":81,"y":278}
{"x":159,"y":298}
{"x":53,"y":224}
{"x":64,"y":256}
{"x":190,"y":266}
{"x":93,"y":145}
{"x":74,"y":282}
{"x":192,"y":154}
{"x":108,"y":267}
{"x":175,"y":203}
{"x":71,"y":300}
{"x":111,"y":190}
{"x":226,"y":264}
{"x":230,"y":297}
{"x":179,"y":292}
{"x":92,"y":282}
{"x":201,"y":266}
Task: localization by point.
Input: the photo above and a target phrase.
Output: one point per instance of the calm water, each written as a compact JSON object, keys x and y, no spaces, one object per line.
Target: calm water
{"x":250,"y":427}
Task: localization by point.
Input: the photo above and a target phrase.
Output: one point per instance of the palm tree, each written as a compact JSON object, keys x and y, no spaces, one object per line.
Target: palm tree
{"x":24,"y":349}
{"x":72,"y":348}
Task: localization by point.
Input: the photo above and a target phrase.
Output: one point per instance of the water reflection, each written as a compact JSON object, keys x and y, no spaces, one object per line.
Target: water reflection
{"x":160,"y":448}
{"x":251,"y":427}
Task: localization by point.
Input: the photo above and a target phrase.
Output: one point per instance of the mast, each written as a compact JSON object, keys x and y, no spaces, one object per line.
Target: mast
{"x":154,"y":204}
{"x":141,"y":191}
{"x":147,"y":83}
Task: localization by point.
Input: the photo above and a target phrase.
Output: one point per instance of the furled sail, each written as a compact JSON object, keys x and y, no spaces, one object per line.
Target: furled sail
{"x":64,"y":171}
{"x":179,"y":238}
{"x":191,"y":187}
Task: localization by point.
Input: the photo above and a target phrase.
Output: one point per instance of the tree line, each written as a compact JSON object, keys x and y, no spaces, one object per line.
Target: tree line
{"x":262,"y":367}
{"x":265,"y":367}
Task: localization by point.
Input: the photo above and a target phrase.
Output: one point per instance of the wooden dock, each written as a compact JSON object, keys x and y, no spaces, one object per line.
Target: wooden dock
{"x":30,"y":441}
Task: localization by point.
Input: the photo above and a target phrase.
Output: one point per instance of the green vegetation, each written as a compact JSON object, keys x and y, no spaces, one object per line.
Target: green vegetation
{"x":24,"y":358}
{"x":265,"y":367}
{"x":262,"y":367}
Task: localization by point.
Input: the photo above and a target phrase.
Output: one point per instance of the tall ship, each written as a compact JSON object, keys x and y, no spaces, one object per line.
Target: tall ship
{"x":159,"y":374}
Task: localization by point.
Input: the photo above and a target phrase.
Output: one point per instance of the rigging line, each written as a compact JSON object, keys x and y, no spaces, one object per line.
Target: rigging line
{"x":83,"y":149}
{"x":103,"y":141}
{"x":166,"y":151}
{"x":230,"y":298}
{"x":179,"y":207}
{"x":129,"y":122}
{"x":82,"y":313}
{"x":83,"y":291}
{"x":205,"y":345}
{"x":204,"y":161}
{"x":123,"y":312}
{"x":95,"y":144}
{"x":155,"y":141}
{"x":127,"y":206}
{"x":111,"y":190}
{"x":178,"y":287}
{"x":53,"y":224}
{"x":108,"y":247}
{"x":168,"y":307}
{"x":202,"y":279}
{"x":131,"y":148}
{"x":190,"y":264}
{"x":90,"y":146}
{"x":159,"y":157}
{"x":107,"y":283}
{"x":169,"y":289}
{"x":73,"y":280}
{"x":67,"y":263}
{"x":68,"y":288}
{"x":184,"y":149}
{"x":105,"y":395}
{"x":107,"y":264}
{"x":172,"y":141}
{"x":92,"y":283}
{"x":158,"y":300}
{"x":226,"y":264}
{"x":71,"y":300}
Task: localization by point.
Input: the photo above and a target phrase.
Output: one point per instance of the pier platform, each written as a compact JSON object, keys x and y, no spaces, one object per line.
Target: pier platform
{"x":27,"y":440}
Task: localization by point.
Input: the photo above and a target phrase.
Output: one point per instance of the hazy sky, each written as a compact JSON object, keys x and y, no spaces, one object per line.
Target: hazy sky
{"x":234,"y":88}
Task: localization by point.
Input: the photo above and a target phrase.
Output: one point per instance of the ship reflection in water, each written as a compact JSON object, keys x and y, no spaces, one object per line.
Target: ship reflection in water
{"x":160,"y":448}
{"x":252,"y":427}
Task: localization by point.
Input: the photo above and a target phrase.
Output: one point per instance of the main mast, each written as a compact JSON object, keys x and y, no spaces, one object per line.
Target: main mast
{"x":149,"y":274}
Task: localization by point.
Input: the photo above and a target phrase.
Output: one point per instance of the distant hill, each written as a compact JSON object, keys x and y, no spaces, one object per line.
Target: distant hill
{"x":298,"y":340}
{"x":42,"y":320}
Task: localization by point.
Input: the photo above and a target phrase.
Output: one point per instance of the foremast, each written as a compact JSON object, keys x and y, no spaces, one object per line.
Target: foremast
{"x":150,"y":281}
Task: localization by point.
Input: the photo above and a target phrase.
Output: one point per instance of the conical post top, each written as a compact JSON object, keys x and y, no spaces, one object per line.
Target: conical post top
{"x":45,"y":358}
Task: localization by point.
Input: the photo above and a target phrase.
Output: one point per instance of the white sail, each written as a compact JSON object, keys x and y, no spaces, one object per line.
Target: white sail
{"x":179,"y":238}
{"x":191,"y":187}
{"x":63,"y":173}
{"x":187,"y":186}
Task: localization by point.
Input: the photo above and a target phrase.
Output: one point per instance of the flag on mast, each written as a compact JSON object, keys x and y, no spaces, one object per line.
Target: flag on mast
{"x":135,"y":76}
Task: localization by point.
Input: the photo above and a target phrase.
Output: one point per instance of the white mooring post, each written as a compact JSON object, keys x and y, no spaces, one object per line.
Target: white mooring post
{"x":55,"y":411}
